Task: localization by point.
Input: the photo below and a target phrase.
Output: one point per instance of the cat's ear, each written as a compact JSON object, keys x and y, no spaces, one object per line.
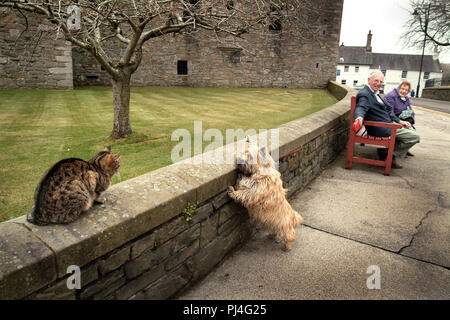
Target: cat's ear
{"x":107,"y":149}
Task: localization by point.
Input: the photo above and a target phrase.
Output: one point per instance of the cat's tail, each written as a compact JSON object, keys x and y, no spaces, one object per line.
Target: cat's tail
{"x":31,"y":217}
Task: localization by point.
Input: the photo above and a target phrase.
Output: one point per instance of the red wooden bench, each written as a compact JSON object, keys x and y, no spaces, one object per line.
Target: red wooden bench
{"x":388,"y":142}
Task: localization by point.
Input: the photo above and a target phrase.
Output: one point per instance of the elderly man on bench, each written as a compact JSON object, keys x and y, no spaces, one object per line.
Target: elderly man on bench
{"x":370,"y":106}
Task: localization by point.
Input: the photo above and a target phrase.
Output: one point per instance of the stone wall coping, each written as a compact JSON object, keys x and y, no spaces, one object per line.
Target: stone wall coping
{"x":34,"y":256}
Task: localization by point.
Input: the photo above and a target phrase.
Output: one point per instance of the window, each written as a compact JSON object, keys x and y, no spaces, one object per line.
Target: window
{"x":355,"y":83}
{"x":356,"y":68}
{"x":193,"y":6}
{"x":346,"y":68}
{"x":426,"y":76}
{"x":338,"y":72}
{"x":235,"y":57}
{"x":182,"y":67}
{"x":343,"y":81}
{"x":404,"y":74}
{"x":383,"y":72}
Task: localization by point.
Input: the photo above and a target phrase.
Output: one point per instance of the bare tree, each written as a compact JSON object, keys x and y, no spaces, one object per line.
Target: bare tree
{"x":114,"y":31}
{"x":429,"y":20}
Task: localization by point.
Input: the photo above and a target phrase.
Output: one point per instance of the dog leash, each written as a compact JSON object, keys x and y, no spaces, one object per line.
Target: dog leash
{"x":290,"y":153}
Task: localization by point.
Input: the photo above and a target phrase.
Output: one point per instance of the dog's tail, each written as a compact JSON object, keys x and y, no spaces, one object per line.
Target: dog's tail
{"x":298,"y":219}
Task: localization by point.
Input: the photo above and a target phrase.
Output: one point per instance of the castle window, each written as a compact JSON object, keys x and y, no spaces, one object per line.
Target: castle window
{"x":182,"y":67}
{"x":317,"y":65}
{"x":404,"y":74}
{"x":355,"y":83}
{"x":186,"y":14}
{"x":235,"y":57}
{"x":230,"y":4}
{"x":343,"y":81}
{"x":426,"y":75}
{"x":356,"y":68}
{"x":346,"y":68}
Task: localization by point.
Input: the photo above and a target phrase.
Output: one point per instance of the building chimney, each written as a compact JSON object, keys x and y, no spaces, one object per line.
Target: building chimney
{"x":369,"y":42}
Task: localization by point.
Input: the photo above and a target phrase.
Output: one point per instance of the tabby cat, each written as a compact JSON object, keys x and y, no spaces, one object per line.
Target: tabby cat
{"x":71,"y":186}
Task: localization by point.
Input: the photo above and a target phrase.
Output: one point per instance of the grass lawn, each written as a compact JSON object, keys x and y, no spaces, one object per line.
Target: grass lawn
{"x":40,"y":127}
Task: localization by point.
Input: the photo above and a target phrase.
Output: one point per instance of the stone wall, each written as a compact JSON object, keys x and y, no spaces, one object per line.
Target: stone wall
{"x":159,"y":233}
{"x":33,"y":57}
{"x":442,"y":93}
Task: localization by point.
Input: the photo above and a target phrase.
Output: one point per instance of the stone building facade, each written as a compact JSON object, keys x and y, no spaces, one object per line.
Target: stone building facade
{"x":274,"y":59}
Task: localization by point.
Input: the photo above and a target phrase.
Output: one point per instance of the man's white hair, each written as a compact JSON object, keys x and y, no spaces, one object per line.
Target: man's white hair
{"x":374,"y":72}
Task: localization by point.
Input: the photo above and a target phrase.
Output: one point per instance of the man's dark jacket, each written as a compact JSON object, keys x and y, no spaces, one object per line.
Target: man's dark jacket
{"x":368,"y":107}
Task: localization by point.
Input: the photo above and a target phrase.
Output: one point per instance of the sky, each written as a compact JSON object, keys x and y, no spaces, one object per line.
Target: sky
{"x":385,"y":18}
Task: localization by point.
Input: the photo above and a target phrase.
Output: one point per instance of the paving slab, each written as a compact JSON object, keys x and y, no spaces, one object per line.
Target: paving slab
{"x":320,"y":266}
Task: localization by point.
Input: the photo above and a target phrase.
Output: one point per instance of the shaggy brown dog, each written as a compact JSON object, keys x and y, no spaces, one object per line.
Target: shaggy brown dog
{"x":261,"y":191}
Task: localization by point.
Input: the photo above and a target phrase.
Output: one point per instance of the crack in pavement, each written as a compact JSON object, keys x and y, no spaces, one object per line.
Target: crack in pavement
{"x":417,"y":231}
{"x":347,"y":238}
{"x":407,"y":182}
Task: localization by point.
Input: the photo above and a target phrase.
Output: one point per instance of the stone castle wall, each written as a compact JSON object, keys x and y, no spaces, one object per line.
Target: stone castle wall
{"x":286,"y":58}
{"x":142,"y":244}
{"x":272,"y":59}
{"x":36,"y":59}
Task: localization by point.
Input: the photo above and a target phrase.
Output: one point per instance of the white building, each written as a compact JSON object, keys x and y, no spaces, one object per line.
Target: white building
{"x":356,"y":63}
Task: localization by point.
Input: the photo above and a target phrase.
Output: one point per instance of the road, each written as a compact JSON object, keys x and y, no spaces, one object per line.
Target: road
{"x":435,"y":105}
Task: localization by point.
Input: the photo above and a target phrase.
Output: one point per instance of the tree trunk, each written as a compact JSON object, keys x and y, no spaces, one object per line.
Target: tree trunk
{"x":121,"y":92}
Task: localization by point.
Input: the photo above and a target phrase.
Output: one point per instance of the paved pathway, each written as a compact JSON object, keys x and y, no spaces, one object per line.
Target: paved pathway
{"x":355,"y":219}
